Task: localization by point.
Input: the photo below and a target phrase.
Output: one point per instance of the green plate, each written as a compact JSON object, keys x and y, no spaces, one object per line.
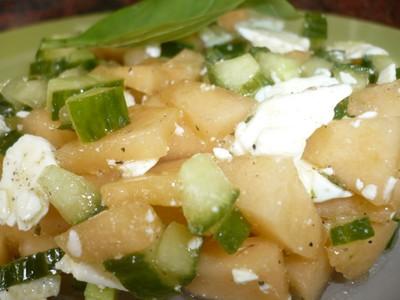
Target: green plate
{"x":17,"y":49}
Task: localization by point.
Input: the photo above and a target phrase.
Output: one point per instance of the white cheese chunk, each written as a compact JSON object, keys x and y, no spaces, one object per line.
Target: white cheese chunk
{"x":20,"y":198}
{"x":243,"y":275}
{"x":264,"y":22}
{"x":293,"y":86}
{"x":3,"y":126}
{"x":153,"y":50}
{"x":318,"y":186}
{"x":88,"y":273}
{"x":74,"y":244}
{"x":281,"y":125}
{"x":222,"y":154}
{"x":214,"y":35}
{"x":22,"y":114}
{"x":347,"y":78}
{"x":275,"y":41}
{"x":356,"y":50}
{"x":134,"y":168}
{"x":389,"y":187}
{"x":387,"y":75}
{"x":370,"y":191}
{"x":129,"y":99}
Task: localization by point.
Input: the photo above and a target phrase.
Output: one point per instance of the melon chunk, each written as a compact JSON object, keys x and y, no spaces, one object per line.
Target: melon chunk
{"x":150,"y":78}
{"x":162,"y":190}
{"x":39,"y":123}
{"x":364,"y":154}
{"x":383,"y":99}
{"x":146,"y":137}
{"x":112,"y":233}
{"x":274,"y":201}
{"x":308,"y":278}
{"x":356,"y":258}
{"x":356,"y":207}
{"x":212,"y":112}
{"x":261,"y":258}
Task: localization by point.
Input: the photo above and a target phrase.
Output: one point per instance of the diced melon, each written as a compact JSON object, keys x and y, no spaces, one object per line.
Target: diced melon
{"x":169,"y":214}
{"x":146,"y":137}
{"x":112,"y":233}
{"x":36,"y":243}
{"x":356,"y":258}
{"x":212,"y":112}
{"x":364,"y":154}
{"x":151,"y":78}
{"x":260,"y":257}
{"x":308,"y":278}
{"x":229,"y":20}
{"x":185,"y":143}
{"x":39,"y":123}
{"x":104,"y":178}
{"x":356,"y":207}
{"x":274,"y":201}
{"x":53,"y":224}
{"x":383,"y":99}
{"x":163,"y":190}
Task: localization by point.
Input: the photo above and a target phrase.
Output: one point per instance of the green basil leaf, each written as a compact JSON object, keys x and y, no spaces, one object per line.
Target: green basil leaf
{"x":275,"y":8}
{"x":149,"y":21}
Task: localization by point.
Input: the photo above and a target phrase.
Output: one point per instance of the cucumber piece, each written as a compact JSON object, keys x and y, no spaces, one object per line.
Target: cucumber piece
{"x":170,"y":49}
{"x":52,"y":62}
{"x":311,"y":66}
{"x":6,"y":108}
{"x":38,"y":289}
{"x":241,"y":74}
{"x":315,"y":27}
{"x":29,"y":268}
{"x":60,"y":96}
{"x":233,"y":231}
{"x":8,"y":139}
{"x":207,"y":194}
{"x":93,"y":292}
{"x":97,"y":112}
{"x":356,"y":76}
{"x":23,"y":91}
{"x":68,"y":83}
{"x":161,"y":271}
{"x":277,"y":67}
{"x":341,"y":110}
{"x":359,"y":229}
{"x":226,"y":51}
{"x":334,"y":56}
{"x":74,"y":197}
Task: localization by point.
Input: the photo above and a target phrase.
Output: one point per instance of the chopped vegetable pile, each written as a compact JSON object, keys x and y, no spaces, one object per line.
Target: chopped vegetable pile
{"x":198,"y":148}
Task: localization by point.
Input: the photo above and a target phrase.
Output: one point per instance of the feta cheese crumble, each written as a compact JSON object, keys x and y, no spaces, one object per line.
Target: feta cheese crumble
{"x":281,"y":125}
{"x":370,"y":191}
{"x":133,"y":168}
{"x":3,"y":126}
{"x":293,"y":86}
{"x":243,"y":275}
{"x":214,"y":35}
{"x":195,"y":243}
{"x":222,"y":154}
{"x":129,"y":99}
{"x":21,"y":202}
{"x":387,"y":75}
{"x":153,"y":50}
{"x":318,"y":186}
{"x":347,"y":78}
{"x":74,"y":244}
{"x":356,"y":50}
{"x":275,"y":41}
{"x":179,"y":131}
{"x":88,"y":273}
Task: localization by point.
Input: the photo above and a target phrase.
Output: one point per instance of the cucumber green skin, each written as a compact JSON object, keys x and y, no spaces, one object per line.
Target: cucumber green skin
{"x":93,"y":292}
{"x":93,"y":116}
{"x":170,"y":49}
{"x":30,"y":268}
{"x":200,"y":222}
{"x":8,"y":139}
{"x":226,"y":51}
{"x":232,"y":232}
{"x":75,"y":199}
{"x":60,"y":96}
{"x":360,"y":229}
{"x":138,"y":275}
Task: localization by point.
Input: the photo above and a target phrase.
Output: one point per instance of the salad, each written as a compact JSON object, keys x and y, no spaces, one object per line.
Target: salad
{"x":198,"y":148}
